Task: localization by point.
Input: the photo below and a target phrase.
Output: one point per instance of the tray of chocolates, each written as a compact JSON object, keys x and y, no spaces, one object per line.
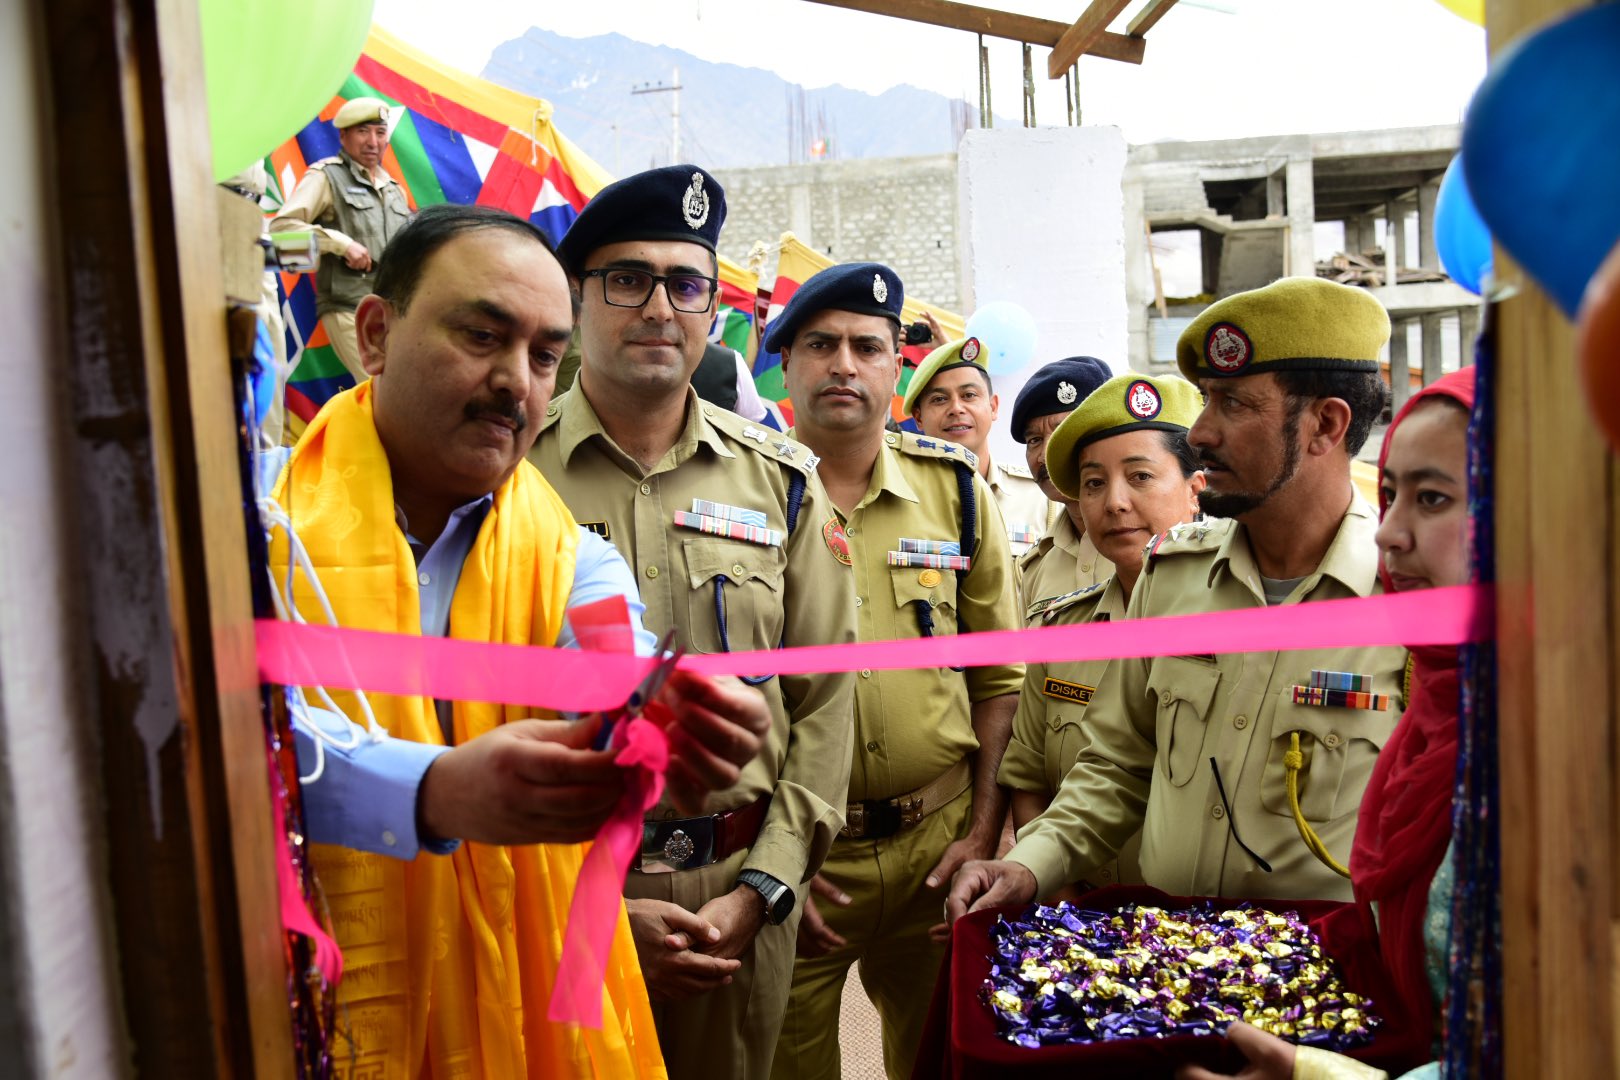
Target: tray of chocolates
{"x":1131,"y":982}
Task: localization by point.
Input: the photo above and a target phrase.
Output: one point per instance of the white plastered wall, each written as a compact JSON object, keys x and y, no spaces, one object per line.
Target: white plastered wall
{"x":1042,"y":224}
{"x":59,"y":1015}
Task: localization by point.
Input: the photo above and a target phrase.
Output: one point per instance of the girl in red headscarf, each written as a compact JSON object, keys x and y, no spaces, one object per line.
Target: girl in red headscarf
{"x":1399,"y":867}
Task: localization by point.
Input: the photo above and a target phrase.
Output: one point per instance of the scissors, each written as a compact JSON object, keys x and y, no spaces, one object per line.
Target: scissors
{"x":669,"y":656}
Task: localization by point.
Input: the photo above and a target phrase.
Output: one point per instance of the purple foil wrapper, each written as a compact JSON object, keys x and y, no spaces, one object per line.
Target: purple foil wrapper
{"x":1062,"y":975}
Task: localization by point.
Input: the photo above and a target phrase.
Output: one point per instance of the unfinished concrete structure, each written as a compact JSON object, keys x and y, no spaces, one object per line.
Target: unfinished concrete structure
{"x":1255,"y":204}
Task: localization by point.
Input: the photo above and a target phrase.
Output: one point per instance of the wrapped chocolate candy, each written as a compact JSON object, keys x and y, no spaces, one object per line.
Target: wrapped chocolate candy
{"x":1067,"y":975}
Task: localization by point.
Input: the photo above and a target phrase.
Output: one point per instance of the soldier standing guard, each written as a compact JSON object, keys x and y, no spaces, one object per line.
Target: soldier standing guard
{"x":355,"y":208}
{"x":1244,"y":770}
{"x":722,"y":522}
{"x":951,"y":397}
{"x":929,"y":553}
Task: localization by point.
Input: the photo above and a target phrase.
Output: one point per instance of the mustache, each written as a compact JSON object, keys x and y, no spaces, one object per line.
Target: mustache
{"x":1041,"y":474}
{"x":1207,"y":458}
{"x":503,"y":407}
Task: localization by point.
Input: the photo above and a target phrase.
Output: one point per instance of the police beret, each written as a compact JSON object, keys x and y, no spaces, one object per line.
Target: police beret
{"x":361,"y":110}
{"x":1057,"y":388}
{"x":1124,"y":403}
{"x":863,"y":288}
{"x":964,"y":352}
{"x":677,"y":202}
{"x":1296,"y":324}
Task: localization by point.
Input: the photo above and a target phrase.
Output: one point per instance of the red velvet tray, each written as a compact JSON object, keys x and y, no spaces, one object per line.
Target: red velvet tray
{"x":961,"y":1039}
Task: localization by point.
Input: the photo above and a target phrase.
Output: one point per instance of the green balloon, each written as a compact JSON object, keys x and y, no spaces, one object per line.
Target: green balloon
{"x":271,"y":66}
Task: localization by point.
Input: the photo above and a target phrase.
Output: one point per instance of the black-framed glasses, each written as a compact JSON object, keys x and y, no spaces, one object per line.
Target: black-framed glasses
{"x":623,"y":287}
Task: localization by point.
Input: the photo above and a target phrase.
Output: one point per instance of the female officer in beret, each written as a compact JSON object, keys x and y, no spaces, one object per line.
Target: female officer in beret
{"x":1122,"y":456}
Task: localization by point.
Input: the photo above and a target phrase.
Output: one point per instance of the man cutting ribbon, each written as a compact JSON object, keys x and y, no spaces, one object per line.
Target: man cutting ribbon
{"x":419,"y":515}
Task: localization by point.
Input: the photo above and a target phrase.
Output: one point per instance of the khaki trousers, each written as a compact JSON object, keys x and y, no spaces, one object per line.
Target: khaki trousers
{"x":729,"y":1032}
{"x":886,"y":928}
{"x":340,"y":331}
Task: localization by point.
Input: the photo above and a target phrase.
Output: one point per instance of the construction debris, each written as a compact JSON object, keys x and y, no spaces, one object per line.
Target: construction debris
{"x":1367,"y":269}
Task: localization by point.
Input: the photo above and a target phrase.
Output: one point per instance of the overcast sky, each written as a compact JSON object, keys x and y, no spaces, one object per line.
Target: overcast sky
{"x":1256,"y":67}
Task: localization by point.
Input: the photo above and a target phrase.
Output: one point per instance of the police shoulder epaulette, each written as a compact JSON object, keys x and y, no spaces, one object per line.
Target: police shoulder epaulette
{"x":325,"y":161}
{"x":1033,"y":553}
{"x":1013,"y":468}
{"x":554,"y":411}
{"x":762,"y":439}
{"x":1188,"y":538}
{"x":1045,"y":609}
{"x":925,"y":446}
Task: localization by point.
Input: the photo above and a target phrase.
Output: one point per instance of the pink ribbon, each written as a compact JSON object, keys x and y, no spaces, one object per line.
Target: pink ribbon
{"x":294,"y":654}
{"x":593,"y":913}
{"x":586,"y":681}
{"x":295,"y":913}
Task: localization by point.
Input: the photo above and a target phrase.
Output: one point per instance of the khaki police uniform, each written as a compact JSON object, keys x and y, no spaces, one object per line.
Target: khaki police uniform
{"x":1061,"y":562}
{"x":913,"y":729}
{"x":1156,"y":723}
{"x":1024,"y":506}
{"x":1049,"y":729}
{"x":343,"y":204}
{"x":795,"y":593}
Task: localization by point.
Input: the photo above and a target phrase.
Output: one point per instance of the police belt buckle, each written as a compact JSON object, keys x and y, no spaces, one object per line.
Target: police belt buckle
{"x":683,"y":844}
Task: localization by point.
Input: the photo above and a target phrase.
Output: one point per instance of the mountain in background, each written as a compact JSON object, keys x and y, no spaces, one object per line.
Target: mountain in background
{"x":731,"y":116}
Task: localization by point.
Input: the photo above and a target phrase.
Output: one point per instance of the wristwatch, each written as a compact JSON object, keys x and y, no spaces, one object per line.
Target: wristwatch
{"x":779,"y":898}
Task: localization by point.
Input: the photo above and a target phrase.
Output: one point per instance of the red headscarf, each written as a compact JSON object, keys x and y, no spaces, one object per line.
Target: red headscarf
{"x":1404,"y":826}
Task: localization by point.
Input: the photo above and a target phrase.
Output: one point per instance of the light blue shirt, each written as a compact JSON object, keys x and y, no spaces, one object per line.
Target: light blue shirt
{"x":366,"y":796}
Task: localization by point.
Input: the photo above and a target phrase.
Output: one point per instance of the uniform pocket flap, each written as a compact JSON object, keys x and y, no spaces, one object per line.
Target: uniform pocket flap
{"x":709,"y":557}
{"x":932,"y":587}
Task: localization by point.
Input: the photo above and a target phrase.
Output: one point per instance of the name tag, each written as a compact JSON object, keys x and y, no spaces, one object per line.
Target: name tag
{"x":600,"y":528}
{"x":1079,"y":693}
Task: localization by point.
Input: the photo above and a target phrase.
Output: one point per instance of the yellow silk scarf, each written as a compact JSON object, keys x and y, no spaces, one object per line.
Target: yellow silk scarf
{"x":449,"y":961}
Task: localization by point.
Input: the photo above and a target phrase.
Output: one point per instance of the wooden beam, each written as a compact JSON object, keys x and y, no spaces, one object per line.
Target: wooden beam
{"x":1558,"y":696}
{"x":167,"y":624}
{"x":993,"y":23}
{"x":1148,"y":17}
{"x":1077,"y":39}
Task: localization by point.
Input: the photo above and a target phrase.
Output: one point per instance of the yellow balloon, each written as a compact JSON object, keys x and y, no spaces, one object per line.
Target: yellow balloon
{"x":1472,"y":10}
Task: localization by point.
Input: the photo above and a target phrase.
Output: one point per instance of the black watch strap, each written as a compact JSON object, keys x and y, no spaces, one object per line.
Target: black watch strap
{"x":779,"y":899}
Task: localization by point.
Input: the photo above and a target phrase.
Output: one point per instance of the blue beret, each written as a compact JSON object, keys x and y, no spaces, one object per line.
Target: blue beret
{"x":1057,"y":387}
{"x":864,"y":288}
{"x":678,"y":202}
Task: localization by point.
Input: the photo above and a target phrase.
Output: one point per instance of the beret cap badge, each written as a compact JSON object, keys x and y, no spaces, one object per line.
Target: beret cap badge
{"x":1228,"y":348}
{"x":695,"y":204}
{"x":880,"y":289}
{"x":1066,"y":393}
{"x":1143,"y":400}
{"x":970,"y":350}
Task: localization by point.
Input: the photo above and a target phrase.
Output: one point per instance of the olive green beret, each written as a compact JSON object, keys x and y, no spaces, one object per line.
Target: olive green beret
{"x":1124,"y":403}
{"x":949,"y":355}
{"x":1296,"y":324}
{"x":361,"y":110}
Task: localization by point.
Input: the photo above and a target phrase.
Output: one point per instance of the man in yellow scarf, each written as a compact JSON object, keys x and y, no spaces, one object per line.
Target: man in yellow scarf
{"x":419,"y":514}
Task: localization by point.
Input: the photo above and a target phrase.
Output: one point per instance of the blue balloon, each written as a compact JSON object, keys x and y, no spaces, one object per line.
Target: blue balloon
{"x":1541,"y":149}
{"x":1460,"y":234}
{"x":1006,"y":333}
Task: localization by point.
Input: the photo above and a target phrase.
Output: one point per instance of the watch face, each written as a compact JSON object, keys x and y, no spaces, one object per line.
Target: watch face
{"x":782,"y":906}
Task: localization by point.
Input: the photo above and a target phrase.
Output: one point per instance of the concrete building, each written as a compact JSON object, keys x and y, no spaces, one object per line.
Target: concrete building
{"x":1254,"y":206}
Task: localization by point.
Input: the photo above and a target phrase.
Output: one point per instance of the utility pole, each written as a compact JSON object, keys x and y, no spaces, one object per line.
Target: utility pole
{"x":674,"y":89}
